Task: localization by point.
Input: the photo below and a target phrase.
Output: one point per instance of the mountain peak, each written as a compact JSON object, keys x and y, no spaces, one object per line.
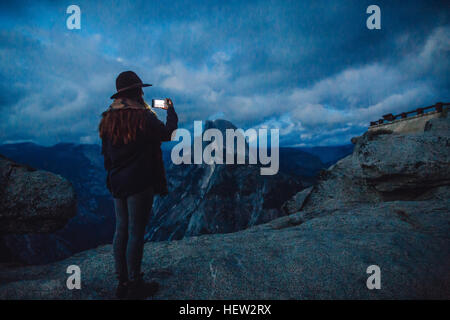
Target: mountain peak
{"x":220,"y":124}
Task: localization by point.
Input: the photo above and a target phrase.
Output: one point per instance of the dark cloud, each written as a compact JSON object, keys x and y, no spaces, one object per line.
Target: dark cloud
{"x":311,"y":69}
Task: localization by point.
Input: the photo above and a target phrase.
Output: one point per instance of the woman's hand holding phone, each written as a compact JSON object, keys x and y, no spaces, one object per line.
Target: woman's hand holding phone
{"x":162,"y":104}
{"x":169,"y":103}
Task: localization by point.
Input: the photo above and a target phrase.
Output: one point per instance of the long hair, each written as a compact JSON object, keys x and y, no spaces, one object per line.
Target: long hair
{"x":121,"y":126}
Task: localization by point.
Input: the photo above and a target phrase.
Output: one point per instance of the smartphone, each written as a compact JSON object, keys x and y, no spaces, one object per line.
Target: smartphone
{"x":159,"y":103}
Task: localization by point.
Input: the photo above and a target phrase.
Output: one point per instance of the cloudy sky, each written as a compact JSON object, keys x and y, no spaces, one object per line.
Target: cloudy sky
{"x":310,"y":68}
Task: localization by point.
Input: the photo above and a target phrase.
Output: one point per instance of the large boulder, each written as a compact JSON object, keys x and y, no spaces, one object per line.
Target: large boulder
{"x":33,"y":201}
{"x":387,"y":166}
{"x":82,"y":165}
{"x":404,"y":166}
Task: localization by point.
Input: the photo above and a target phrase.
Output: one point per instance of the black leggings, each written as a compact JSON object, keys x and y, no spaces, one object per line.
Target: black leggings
{"x":132,"y":215}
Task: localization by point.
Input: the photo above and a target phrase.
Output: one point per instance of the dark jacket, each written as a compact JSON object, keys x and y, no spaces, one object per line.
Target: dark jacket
{"x":138,"y":165}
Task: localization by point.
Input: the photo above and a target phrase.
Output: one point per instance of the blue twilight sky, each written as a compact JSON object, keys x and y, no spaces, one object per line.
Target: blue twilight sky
{"x":310,"y":68}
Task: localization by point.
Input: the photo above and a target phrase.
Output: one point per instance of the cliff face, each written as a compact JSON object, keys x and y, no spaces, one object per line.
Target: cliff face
{"x":350,"y":220}
{"x":220,"y":198}
{"x":32,"y":200}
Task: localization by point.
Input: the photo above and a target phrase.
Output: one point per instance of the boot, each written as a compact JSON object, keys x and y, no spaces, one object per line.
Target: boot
{"x":122,"y":290}
{"x":139,"y":290}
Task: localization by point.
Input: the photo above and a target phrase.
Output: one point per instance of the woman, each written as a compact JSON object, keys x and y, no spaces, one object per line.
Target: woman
{"x":131,"y":145}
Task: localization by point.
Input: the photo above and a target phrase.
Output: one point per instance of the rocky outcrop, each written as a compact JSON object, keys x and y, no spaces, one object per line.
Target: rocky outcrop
{"x":33,"y":201}
{"x":351,"y":220}
{"x":82,"y":165}
{"x":295,"y":204}
{"x":386,"y":166}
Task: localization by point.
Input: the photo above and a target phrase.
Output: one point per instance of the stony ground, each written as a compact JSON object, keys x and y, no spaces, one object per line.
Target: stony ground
{"x":324,"y":257}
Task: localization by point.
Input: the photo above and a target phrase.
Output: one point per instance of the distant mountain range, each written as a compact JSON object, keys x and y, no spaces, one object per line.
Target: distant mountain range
{"x":330,"y":154}
{"x":203,"y":199}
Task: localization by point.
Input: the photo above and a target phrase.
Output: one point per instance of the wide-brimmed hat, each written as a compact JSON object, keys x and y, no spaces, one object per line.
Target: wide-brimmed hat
{"x":128,"y":80}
